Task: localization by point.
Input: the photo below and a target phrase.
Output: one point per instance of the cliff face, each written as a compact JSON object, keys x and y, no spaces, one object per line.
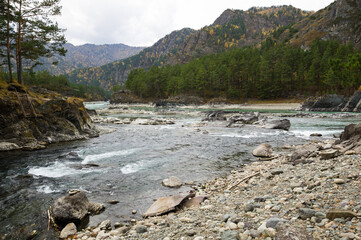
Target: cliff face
{"x":31,"y":120}
{"x":341,"y":21}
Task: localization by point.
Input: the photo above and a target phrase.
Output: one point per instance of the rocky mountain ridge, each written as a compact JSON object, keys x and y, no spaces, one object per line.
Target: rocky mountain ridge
{"x":234,"y":29}
{"x":117,"y":72}
{"x":341,"y":21}
{"x":87,"y":55}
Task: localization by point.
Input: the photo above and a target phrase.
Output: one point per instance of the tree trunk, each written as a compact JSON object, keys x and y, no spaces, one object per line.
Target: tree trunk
{"x":8,"y":42}
{"x":19,"y":65}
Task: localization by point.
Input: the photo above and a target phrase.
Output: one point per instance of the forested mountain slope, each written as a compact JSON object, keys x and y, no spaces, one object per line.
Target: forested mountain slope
{"x":234,"y":28}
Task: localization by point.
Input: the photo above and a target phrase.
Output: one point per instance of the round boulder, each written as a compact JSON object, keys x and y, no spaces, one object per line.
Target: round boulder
{"x":263,"y":150}
{"x":71,"y":208}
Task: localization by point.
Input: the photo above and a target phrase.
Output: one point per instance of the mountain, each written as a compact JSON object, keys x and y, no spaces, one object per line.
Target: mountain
{"x":87,"y":55}
{"x":340,"y":21}
{"x":117,"y":72}
{"x":234,"y":28}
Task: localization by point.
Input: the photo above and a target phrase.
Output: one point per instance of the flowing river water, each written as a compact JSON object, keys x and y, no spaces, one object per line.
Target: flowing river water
{"x":129,"y":165}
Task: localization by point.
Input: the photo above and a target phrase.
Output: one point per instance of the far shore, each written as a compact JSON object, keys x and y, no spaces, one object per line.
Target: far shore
{"x":246,"y":106}
{"x":254,"y":106}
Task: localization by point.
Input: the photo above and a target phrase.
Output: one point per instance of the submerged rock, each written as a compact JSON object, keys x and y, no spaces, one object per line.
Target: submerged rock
{"x":283,"y":124}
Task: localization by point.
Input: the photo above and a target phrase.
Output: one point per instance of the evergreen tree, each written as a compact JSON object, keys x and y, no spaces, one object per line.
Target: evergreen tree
{"x":36,"y":34}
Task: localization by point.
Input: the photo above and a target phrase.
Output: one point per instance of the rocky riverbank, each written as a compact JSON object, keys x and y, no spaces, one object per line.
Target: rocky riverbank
{"x":31,"y":120}
{"x":301,"y":192}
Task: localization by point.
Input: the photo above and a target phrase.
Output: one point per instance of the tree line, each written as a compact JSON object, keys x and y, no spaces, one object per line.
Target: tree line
{"x":269,"y":72}
{"x":27,"y":33}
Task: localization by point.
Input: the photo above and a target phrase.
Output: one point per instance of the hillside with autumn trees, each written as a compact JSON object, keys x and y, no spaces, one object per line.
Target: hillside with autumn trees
{"x":265,"y":53}
{"x":233,"y":29}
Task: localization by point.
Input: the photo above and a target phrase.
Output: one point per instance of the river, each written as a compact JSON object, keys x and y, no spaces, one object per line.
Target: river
{"x":129,"y":165}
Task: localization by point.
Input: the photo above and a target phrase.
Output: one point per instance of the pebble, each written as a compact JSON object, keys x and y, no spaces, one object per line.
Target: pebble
{"x":232,"y":226}
{"x":339,"y":181}
{"x":141,"y":229}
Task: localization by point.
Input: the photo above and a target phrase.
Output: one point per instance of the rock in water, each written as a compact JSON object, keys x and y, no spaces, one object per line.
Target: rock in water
{"x":283,"y":124}
{"x":95,"y":208}
{"x":68,"y":230}
{"x":263,"y":150}
{"x":172,"y":182}
{"x":71,"y":208}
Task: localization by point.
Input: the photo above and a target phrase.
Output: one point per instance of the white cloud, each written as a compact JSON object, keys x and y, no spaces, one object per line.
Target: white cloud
{"x":143,"y":22}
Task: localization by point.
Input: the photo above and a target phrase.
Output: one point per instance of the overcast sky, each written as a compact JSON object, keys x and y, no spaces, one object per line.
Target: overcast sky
{"x":143,"y":22}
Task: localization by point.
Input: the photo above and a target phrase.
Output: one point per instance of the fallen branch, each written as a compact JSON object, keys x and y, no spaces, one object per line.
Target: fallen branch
{"x":49,"y":219}
{"x":245,"y":179}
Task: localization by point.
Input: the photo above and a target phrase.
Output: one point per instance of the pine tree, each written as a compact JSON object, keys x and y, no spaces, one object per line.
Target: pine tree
{"x":36,"y":34}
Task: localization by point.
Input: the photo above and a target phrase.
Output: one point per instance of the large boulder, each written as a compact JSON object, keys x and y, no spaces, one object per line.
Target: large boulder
{"x":283,"y":124}
{"x":71,"y":208}
{"x":74,"y":208}
{"x":247,"y":118}
{"x":351,"y":132}
{"x":327,"y":103}
{"x":263,"y":150}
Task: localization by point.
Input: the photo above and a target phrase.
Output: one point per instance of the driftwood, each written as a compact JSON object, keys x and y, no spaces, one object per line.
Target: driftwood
{"x":245,"y":179}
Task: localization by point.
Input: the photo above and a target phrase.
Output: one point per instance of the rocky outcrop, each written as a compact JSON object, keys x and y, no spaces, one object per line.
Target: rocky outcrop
{"x":333,"y":103}
{"x":30,"y":121}
{"x":340,"y":21}
{"x":327,"y":103}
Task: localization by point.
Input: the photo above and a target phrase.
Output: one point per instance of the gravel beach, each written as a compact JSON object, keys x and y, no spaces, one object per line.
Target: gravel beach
{"x":316,"y":197}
